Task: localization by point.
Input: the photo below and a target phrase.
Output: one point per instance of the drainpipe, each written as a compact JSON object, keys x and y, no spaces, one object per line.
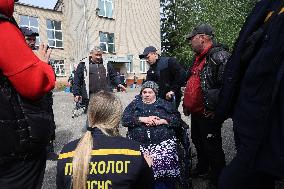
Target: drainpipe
{"x":86,"y":73}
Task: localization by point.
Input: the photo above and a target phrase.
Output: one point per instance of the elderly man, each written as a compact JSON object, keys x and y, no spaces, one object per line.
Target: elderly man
{"x":166,"y":72}
{"x":100,"y":77}
{"x":200,"y":99}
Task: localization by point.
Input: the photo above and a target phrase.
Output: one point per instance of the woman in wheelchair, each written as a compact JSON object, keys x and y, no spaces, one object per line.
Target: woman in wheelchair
{"x":151,"y":122}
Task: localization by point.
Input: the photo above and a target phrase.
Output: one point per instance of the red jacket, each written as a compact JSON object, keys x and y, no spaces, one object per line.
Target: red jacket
{"x":30,"y":76}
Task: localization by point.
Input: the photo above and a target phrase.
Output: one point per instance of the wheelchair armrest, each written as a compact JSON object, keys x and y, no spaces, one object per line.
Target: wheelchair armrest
{"x":184,"y":125}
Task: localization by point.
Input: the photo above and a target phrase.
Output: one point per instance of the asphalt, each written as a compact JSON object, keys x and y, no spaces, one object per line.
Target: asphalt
{"x":68,"y":129}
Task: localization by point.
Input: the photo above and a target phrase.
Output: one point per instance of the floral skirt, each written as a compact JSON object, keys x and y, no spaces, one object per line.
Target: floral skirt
{"x":165,"y":158}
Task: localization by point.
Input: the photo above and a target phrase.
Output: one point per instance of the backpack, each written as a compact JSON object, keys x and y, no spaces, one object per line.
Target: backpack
{"x":193,"y":97}
{"x":33,"y":126}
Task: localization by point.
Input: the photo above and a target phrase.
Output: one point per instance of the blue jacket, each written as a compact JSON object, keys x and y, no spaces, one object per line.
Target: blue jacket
{"x":147,"y":135}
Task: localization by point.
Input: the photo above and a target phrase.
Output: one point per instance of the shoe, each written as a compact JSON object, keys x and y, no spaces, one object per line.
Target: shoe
{"x":198,"y":173}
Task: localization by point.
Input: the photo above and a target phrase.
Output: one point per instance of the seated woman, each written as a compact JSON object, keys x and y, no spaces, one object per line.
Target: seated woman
{"x":101,"y":158}
{"x":151,"y":122}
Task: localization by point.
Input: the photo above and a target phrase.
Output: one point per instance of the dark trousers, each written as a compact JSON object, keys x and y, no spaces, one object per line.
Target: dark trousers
{"x":238,"y":176}
{"x":206,"y":137}
{"x":241,"y":172}
{"x":27,"y":174}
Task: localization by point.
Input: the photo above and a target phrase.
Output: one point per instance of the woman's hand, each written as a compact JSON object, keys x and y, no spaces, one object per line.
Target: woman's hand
{"x":160,"y":122}
{"x":146,"y":120}
{"x":153,"y":121}
{"x":149,"y":121}
{"x":148,"y":159}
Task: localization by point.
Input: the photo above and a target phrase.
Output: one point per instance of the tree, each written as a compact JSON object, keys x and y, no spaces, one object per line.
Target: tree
{"x":179,"y":17}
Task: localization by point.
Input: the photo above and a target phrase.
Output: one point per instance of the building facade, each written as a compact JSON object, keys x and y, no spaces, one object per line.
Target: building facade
{"x":123,"y":28}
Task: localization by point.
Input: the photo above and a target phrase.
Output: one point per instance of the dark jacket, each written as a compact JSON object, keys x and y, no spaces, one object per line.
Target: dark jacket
{"x":259,"y":108}
{"x":118,"y":164}
{"x":211,"y":76}
{"x":139,"y":131}
{"x":169,"y":75}
{"x":79,"y":88}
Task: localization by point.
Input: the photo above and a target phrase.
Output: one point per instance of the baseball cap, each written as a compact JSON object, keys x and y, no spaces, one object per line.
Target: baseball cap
{"x":201,"y":29}
{"x":146,"y":51}
{"x":28,"y":32}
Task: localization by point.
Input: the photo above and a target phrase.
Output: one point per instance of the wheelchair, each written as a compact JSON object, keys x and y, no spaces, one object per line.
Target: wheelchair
{"x":184,"y":152}
{"x":79,"y":109}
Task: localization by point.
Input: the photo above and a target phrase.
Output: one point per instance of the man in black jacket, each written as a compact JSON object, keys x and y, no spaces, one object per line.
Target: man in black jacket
{"x":30,"y":37}
{"x":166,"y":72}
{"x":254,"y":82}
{"x":100,"y":78}
{"x":200,"y":99}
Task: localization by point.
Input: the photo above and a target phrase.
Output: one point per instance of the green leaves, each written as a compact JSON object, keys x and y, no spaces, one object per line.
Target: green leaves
{"x":179,"y":17}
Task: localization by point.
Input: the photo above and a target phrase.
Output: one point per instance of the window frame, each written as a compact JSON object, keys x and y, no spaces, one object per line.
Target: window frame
{"x":106,"y":43}
{"x":54,"y":30}
{"x":58,"y":64}
{"x":144,"y":66}
{"x":103,"y":13}
{"x":129,"y":67}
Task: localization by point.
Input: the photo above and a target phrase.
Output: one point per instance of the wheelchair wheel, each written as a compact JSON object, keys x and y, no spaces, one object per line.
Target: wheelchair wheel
{"x":184,"y":153}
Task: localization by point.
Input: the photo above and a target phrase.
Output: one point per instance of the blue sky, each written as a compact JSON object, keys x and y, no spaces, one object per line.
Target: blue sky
{"x":41,"y":3}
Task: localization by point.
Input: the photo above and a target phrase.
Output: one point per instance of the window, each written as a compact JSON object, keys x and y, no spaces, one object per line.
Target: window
{"x":58,"y":67}
{"x":129,"y":67}
{"x":31,"y":23}
{"x":106,"y":8}
{"x":107,"y":42}
{"x":54,"y":33}
{"x":143,"y":66}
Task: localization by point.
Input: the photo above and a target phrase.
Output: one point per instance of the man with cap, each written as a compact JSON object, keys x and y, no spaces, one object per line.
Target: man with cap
{"x":101,"y":77}
{"x":166,"y":72}
{"x":200,"y":99}
{"x":30,"y":37}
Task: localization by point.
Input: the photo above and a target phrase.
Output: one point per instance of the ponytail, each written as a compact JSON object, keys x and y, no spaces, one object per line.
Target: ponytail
{"x":81,"y":161}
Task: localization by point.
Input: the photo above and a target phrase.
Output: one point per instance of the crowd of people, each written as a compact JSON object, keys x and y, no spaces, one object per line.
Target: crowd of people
{"x":245,"y":85}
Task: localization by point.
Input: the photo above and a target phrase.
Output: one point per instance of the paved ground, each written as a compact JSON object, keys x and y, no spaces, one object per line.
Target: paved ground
{"x":69,"y":129}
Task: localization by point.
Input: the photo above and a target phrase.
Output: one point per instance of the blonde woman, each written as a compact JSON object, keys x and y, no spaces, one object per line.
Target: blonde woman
{"x":101,"y":158}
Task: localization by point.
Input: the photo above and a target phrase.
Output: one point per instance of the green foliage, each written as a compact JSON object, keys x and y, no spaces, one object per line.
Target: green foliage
{"x":179,"y":17}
